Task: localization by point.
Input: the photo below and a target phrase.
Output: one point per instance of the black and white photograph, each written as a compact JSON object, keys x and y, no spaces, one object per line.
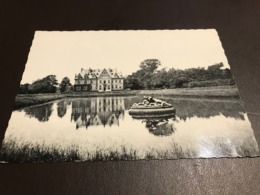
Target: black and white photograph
{"x":127,"y":95}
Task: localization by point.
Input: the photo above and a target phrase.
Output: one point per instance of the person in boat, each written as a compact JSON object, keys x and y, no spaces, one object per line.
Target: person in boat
{"x":152,"y":100}
{"x":148,"y":100}
{"x":145,"y":101}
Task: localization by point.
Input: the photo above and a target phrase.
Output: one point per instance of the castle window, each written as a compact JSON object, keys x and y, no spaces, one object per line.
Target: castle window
{"x":99,"y":87}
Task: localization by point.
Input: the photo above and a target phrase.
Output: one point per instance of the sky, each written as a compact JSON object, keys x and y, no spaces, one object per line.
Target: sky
{"x":64,"y":53}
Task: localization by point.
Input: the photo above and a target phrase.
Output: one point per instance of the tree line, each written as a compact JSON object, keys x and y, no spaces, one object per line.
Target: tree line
{"x":48,"y":84}
{"x":149,"y":77}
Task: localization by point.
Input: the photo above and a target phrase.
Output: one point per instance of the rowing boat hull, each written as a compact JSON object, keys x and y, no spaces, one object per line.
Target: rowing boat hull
{"x":152,"y":112}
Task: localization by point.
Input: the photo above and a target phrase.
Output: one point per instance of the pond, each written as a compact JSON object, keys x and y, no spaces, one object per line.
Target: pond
{"x":100,"y":128}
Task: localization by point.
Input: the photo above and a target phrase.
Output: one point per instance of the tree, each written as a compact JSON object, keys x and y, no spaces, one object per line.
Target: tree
{"x":150,"y":65}
{"x":47,"y":84}
{"x":24,"y":88}
{"x":148,"y":69}
{"x":65,"y":84}
{"x":132,"y":83}
{"x":160,"y":79}
{"x":149,"y":77}
{"x":179,"y":82}
{"x":227,"y":74}
{"x":215,"y":71}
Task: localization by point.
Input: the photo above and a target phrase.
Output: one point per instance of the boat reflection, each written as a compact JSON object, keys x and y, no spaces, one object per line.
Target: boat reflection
{"x":160,"y":127}
{"x":158,"y":124}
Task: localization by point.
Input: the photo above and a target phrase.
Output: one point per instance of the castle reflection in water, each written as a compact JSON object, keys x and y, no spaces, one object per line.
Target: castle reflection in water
{"x":106,"y":111}
{"x":98,"y":111}
{"x":110,"y":111}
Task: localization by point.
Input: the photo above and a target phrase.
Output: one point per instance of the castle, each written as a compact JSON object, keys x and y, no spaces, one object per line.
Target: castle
{"x":100,"y":80}
{"x":106,"y":111}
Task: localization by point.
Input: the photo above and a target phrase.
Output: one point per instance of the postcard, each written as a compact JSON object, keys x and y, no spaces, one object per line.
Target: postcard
{"x":127,"y":95}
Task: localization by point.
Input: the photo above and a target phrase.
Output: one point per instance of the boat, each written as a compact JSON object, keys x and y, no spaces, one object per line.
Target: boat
{"x":152,"y":108}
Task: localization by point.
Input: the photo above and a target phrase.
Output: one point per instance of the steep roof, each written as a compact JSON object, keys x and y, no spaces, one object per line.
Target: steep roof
{"x":95,"y":73}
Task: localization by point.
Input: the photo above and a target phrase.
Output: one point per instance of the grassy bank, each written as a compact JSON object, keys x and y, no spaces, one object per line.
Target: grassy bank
{"x":200,"y":92}
{"x":27,"y":152}
{"x":103,"y":94}
{"x":25,"y":100}
{"x":11,"y":152}
{"x":22,"y":101}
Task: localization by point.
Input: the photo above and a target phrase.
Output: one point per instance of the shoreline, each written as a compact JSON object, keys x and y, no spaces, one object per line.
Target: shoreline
{"x":220,"y":92}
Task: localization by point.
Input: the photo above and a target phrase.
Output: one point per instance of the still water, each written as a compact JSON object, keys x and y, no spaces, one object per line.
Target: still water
{"x":101,"y":129}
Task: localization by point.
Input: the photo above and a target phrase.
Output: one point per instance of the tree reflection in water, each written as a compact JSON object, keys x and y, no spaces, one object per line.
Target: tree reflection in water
{"x":41,"y":112}
{"x":62,"y":107}
{"x":107,"y":111}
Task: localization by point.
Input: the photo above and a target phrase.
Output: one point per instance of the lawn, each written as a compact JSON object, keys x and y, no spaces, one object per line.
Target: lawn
{"x":207,"y":92}
{"x":25,"y":100}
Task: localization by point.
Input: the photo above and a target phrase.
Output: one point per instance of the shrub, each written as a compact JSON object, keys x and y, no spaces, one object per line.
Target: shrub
{"x":218,"y":82}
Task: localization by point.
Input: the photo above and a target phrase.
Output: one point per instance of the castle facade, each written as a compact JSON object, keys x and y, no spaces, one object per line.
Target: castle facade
{"x":100,"y":80}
